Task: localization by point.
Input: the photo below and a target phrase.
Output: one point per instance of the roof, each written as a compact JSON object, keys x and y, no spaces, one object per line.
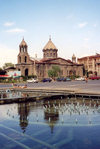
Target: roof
{"x":50,"y":61}
{"x":90,"y":57}
{"x":23,"y":43}
{"x":50,"y":45}
{"x":10,"y":67}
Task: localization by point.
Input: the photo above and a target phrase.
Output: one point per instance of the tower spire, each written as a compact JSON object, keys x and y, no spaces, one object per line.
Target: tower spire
{"x":49,"y":37}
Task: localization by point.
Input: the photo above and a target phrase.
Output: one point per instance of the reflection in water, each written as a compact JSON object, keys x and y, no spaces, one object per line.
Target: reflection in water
{"x":23,"y":111}
{"x":69,"y":111}
{"x":71,"y":122}
{"x":51,"y":115}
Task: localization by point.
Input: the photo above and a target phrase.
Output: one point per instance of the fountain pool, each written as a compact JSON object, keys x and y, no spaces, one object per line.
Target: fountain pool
{"x":56,"y":124}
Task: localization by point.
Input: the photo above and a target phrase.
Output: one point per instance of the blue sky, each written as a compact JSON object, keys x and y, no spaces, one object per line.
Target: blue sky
{"x":74,"y":26}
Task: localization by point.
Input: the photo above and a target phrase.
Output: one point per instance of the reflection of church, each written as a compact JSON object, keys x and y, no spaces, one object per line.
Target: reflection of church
{"x":51,"y":116}
{"x":23,"y":111}
{"x":34,"y":66}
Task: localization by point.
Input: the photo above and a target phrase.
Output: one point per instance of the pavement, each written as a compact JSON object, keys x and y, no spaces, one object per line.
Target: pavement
{"x":79,"y":87}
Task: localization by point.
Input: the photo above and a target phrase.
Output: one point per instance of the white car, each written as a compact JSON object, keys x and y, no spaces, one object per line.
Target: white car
{"x":80,"y":79}
{"x":33,"y":80}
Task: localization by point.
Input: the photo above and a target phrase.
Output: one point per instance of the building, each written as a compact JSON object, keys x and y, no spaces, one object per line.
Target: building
{"x":91,"y":64}
{"x":12,"y":72}
{"x":33,"y":66}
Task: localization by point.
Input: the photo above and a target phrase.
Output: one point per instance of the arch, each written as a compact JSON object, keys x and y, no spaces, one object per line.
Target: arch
{"x":47,"y":54}
{"x":26,"y":72}
{"x":74,"y":72}
{"x":95,"y":73}
{"x":90,"y":72}
{"x":19,"y":59}
{"x":50,"y":54}
{"x":70,"y":73}
{"x":25,"y":59}
{"x":54,"y":54}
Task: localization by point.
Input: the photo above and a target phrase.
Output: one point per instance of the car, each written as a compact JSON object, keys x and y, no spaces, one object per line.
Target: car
{"x":68,"y":79}
{"x":60,"y":79}
{"x":33,"y":80}
{"x":47,"y":80}
{"x":94,"y":77}
{"x":80,"y":79}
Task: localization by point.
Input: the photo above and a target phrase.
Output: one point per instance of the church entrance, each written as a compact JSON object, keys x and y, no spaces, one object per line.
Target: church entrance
{"x":26,"y":72}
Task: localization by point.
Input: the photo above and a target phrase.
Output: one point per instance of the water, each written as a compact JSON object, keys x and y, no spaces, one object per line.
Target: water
{"x":55,"y":124}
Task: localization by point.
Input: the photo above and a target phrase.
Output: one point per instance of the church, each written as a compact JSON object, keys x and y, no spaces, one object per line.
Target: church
{"x":39,"y":67}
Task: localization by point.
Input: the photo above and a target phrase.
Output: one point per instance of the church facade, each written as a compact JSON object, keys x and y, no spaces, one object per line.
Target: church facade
{"x":39,"y":67}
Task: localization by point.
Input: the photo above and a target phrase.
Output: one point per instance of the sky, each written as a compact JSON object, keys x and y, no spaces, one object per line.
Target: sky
{"x":74,"y":26}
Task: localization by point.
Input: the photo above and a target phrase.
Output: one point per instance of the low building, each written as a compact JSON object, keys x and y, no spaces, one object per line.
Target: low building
{"x":91,"y":64}
{"x":12,"y":72}
{"x":39,"y":67}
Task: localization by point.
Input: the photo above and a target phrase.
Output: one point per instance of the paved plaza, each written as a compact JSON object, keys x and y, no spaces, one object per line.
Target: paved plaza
{"x":92,"y":86}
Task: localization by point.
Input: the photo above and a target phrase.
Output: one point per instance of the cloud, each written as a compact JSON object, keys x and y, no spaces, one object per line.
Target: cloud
{"x":82,"y":25}
{"x":86,"y":39}
{"x":8,"y":24}
{"x":70,"y":16}
{"x":7,"y":55}
{"x":95,"y":25}
{"x":15,"y":30}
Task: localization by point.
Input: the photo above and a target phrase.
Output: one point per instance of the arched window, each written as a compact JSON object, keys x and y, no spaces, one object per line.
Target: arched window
{"x":19,"y":59}
{"x":50,"y":54}
{"x":25,"y":59}
{"x":53,"y":54}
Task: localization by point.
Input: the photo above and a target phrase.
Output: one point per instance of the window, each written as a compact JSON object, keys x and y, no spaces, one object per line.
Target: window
{"x":25,"y":59}
{"x":19,"y":59}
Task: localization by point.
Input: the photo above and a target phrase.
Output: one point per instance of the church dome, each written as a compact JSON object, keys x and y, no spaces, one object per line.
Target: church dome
{"x":50,"y":45}
{"x":50,"y":50}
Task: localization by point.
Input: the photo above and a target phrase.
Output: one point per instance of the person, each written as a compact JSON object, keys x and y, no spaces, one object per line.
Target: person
{"x":86,"y":79}
{"x":14,"y":85}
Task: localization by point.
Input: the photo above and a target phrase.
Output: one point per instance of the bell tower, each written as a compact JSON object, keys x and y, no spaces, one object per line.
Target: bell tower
{"x":23,"y":47}
{"x":23,"y":56}
{"x":74,"y":58}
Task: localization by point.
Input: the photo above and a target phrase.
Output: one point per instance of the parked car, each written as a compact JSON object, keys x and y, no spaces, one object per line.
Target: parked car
{"x":94,"y":77}
{"x":64,"y":79}
{"x":61,"y":79}
{"x":68,"y":79}
{"x":46,"y":80}
{"x":33,"y":80}
{"x":80,"y":79}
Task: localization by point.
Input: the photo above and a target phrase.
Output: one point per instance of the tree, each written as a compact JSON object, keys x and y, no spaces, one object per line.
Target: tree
{"x":8,"y":65}
{"x":54,"y":72}
{"x":2,"y":72}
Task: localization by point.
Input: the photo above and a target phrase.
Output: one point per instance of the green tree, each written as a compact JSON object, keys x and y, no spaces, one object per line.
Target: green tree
{"x":54,"y":72}
{"x":8,"y":65}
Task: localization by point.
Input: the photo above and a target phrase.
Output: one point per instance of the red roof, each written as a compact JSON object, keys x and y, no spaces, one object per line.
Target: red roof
{"x":90,"y":57}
